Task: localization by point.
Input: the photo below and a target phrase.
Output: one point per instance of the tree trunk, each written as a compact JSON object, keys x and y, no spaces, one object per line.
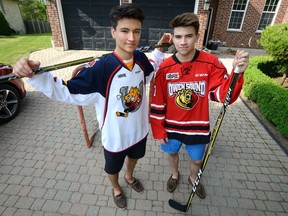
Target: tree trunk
{"x":284,"y":78}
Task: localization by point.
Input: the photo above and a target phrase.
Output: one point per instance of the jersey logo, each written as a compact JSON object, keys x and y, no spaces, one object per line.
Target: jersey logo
{"x":187,"y":93}
{"x":131,"y":99}
{"x":171,"y":76}
{"x":186,"y":99}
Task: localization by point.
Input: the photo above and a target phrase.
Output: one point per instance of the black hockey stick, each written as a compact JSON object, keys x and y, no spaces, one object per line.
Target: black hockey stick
{"x":184,"y":208}
{"x":10,"y":77}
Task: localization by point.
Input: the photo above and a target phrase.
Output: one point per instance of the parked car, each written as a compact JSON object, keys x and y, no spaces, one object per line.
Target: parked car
{"x":11,"y":94}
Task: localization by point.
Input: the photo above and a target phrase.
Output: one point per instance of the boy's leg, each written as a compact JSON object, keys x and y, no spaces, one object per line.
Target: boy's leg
{"x":172,"y":147}
{"x":115,"y":183}
{"x":130,"y":165}
{"x":136,"y":152}
{"x":174,"y":163}
{"x":196,"y":153}
{"x":113,"y":165}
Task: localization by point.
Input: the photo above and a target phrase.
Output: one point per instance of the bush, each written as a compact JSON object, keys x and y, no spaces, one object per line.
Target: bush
{"x":5,"y":28}
{"x":271,"y":98}
{"x":274,"y":40}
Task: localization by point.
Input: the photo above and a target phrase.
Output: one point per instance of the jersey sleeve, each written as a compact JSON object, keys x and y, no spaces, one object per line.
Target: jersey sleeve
{"x":219,"y":82}
{"x":155,"y":60}
{"x":158,"y":106}
{"x":79,"y":90}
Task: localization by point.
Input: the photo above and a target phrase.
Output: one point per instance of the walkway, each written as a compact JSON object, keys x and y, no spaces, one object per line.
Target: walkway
{"x":46,"y":169}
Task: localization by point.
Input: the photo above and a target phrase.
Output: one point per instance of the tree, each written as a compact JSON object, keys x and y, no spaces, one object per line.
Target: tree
{"x":274,"y":40}
{"x":33,"y":10}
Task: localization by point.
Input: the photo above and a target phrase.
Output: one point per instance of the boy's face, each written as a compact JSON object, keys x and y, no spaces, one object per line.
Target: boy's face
{"x":127,"y":36}
{"x":184,"y":39}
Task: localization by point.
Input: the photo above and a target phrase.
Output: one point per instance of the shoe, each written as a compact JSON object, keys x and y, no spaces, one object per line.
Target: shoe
{"x":200,"y":190}
{"x":172,"y":183}
{"x":119,"y":200}
{"x":136,"y":185}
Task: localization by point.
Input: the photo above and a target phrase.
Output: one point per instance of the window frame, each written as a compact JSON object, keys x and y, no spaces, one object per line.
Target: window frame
{"x":268,"y":12}
{"x":243,"y":18}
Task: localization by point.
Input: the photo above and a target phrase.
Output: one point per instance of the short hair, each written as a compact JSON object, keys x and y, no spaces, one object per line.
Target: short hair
{"x":127,"y":10}
{"x":184,"y":20}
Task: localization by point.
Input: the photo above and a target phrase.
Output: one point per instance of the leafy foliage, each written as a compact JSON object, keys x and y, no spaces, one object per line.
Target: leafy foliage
{"x":5,"y":28}
{"x":33,"y":10}
{"x":274,"y":40}
{"x":271,"y":98}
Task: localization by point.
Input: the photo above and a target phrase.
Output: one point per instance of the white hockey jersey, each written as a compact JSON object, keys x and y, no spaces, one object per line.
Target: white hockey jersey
{"x":119,"y":95}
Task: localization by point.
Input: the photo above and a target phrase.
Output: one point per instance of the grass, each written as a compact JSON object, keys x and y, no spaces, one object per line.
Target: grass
{"x":12,"y":48}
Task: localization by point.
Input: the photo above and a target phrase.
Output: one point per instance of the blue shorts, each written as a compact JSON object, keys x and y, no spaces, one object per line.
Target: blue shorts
{"x":195,"y":151}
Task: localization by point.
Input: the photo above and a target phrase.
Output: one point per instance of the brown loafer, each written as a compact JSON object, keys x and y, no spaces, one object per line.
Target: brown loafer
{"x":136,"y":185}
{"x":200,"y":190}
{"x":172,"y":183}
{"x":119,"y":200}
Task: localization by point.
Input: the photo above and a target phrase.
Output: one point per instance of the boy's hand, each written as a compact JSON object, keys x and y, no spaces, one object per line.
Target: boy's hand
{"x":25,"y":67}
{"x":241,"y":59}
{"x":166,"y":38}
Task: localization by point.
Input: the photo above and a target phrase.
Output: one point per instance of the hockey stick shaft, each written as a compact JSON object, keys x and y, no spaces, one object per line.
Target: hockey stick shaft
{"x":184,"y":208}
{"x":10,"y":77}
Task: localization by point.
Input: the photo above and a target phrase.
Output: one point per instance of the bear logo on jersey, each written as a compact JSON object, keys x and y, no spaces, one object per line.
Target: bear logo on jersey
{"x":131,"y":99}
{"x":186,"y":99}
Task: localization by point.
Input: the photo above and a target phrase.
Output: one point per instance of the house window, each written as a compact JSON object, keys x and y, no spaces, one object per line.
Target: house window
{"x":237,"y":14}
{"x":268,"y":14}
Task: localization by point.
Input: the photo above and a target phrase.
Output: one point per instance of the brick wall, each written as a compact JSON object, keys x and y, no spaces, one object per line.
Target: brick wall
{"x":55,"y":25}
{"x":57,"y":34}
{"x":249,"y":28}
{"x":202,"y":16}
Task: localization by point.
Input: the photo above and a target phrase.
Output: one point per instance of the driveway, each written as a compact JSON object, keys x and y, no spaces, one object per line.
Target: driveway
{"x":46,"y":168}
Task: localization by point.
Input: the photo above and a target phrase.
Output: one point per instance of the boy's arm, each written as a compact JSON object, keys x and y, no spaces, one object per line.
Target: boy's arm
{"x":158,"y":108}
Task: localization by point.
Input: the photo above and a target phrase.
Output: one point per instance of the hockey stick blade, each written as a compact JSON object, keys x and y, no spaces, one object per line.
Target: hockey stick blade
{"x":184,"y":208}
{"x":178,"y":206}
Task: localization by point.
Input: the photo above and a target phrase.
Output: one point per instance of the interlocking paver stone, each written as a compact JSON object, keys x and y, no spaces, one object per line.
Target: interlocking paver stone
{"x":46,"y":169}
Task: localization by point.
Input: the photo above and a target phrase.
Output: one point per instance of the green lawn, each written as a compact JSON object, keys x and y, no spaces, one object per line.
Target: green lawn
{"x":12,"y":48}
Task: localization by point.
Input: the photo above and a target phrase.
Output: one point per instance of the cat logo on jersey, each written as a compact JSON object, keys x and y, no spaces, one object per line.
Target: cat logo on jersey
{"x":131,"y":99}
{"x":186,"y":99}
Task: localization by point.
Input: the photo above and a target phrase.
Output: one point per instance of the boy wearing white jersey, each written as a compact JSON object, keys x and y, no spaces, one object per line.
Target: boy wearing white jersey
{"x":115,"y":83}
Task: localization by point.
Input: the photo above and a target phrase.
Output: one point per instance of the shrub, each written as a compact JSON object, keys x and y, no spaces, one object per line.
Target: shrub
{"x":271,"y":98}
{"x":5,"y":28}
{"x":274,"y":40}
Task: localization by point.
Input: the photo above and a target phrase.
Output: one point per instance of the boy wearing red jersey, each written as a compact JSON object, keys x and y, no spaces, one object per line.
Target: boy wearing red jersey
{"x":184,"y":84}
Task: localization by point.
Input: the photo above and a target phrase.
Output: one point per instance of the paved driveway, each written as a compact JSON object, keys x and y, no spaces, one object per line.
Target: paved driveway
{"x":46,"y":169}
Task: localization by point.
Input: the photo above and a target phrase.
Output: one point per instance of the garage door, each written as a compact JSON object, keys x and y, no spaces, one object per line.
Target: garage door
{"x":87,"y":24}
{"x":158,"y":14}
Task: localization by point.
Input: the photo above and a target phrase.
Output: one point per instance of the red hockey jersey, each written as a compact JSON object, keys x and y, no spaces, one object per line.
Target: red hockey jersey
{"x":181,"y":93}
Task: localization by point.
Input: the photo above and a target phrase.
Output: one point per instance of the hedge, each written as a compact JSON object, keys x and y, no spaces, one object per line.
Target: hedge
{"x":270,"y":97}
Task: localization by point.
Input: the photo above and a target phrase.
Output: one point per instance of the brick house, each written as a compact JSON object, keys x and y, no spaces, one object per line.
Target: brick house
{"x":85,"y":24}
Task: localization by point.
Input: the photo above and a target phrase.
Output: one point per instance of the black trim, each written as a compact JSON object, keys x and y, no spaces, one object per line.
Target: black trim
{"x":173,"y":126}
{"x":155,"y":111}
{"x":190,"y":140}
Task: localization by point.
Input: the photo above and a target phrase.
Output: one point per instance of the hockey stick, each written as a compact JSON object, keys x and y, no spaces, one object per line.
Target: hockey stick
{"x":10,"y":77}
{"x":184,"y":208}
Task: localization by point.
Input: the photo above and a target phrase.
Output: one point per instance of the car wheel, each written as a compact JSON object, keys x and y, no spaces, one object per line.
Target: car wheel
{"x":10,"y":102}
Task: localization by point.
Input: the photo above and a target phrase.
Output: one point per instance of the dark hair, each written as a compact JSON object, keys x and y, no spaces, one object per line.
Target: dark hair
{"x":128,"y":10}
{"x":184,"y":20}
